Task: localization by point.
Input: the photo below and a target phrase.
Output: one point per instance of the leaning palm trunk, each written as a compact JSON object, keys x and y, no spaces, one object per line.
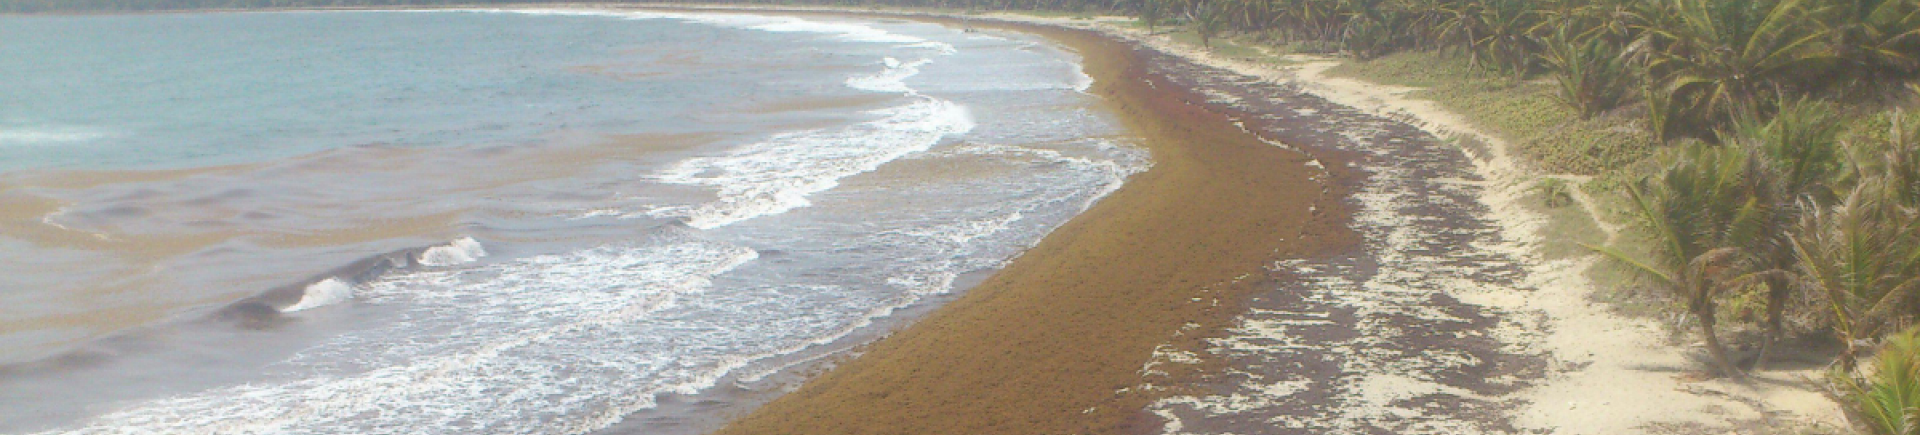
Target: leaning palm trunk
{"x":1700,"y":282}
{"x":1705,"y":278}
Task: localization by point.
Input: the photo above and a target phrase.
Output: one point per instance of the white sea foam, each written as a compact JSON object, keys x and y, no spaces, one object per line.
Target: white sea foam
{"x":893,"y":78}
{"x":777,"y":175}
{"x":461,"y":251}
{"x":767,"y":23}
{"x":1081,"y":81}
{"x":513,"y":346}
{"x":48,"y":135}
{"x":938,"y":47}
{"x":326,"y":292}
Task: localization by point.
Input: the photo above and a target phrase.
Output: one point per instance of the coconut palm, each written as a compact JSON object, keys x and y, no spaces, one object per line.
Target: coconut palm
{"x":1699,"y":212}
{"x":1900,"y":162}
{"x":1150,"y":13}
{"x":1802,"y":142}
{"x":1861,"y":256}
{"x":1729,"y":58}
{"x":1496,"y":32}
{"x":1591,"y":75}
{"x":1318,"y":20}
{"x":1889,"y":399}
{"x":1424,"y":19}
{"x":1876,"y":40}
{"x":1208,"y":19}
{"x":1896,"y":159}
{"x":1800,"y":157}
{"x":1372,"y":29}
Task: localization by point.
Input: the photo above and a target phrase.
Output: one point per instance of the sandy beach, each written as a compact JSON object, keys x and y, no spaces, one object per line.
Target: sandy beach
{"x":1310,"y":254}
{"x":1058,"y":341}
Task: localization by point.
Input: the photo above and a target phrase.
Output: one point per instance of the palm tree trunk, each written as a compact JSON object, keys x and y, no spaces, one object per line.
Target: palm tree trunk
{"x":1714,"y":349}
{"x":1777,"y":294}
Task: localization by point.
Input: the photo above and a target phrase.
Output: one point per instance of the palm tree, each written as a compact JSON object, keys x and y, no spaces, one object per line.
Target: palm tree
{"x":1698,"y":211}
{"x":1208,"y":20}
{"x":1592,"y":76}
{"x":1800,"y":157}
{"x":1425,"y":18}
{"x":1372,"y":29}
{"x":1728,"y":57}
{"x":1899,"y":161}
{"x":1889,"y":399}
{"x":1317,"y":20}
{"x":1876,"y":40}
{"x":1861,"y":255}
{"x":1508,"y":38}
{"x":1802,"y":141}
{"x":1497,"y":32}
{"x":1149,"y":11}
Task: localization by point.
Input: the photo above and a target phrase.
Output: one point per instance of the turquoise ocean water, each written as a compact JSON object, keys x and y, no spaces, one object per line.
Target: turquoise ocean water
{"x":530,"y":221}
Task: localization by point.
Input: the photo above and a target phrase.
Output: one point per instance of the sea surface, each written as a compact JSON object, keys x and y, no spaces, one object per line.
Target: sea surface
{"x":499,"y":222}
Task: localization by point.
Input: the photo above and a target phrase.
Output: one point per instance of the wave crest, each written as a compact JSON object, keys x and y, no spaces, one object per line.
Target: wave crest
{"x":326,"y":292}
{"x":461,"y":251}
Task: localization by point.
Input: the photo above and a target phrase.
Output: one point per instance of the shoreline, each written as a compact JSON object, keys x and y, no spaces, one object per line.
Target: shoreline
{"x":1057,"y":341}
{"x":1573,"y":365}
{"x":1606,"y":372}
{"x":1596,"y":371}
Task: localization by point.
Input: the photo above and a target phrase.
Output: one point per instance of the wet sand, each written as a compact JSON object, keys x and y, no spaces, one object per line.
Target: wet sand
{"x":1061,"y":340}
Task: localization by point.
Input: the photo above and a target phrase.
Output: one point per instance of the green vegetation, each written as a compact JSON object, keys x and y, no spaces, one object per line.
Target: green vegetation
{"x":1889,"y":398}
{"x":1527,"y":114}
{"x":1554,"y":192}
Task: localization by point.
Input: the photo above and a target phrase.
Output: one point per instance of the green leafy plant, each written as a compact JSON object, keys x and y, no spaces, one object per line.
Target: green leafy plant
{"x":1592,"y":75}
{"x":1556,"y":192}
{"x":1698,"y":212}
{"x":1888,"y":399}
{"x":1730,"y":58}
{"x":1208,"y":19}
